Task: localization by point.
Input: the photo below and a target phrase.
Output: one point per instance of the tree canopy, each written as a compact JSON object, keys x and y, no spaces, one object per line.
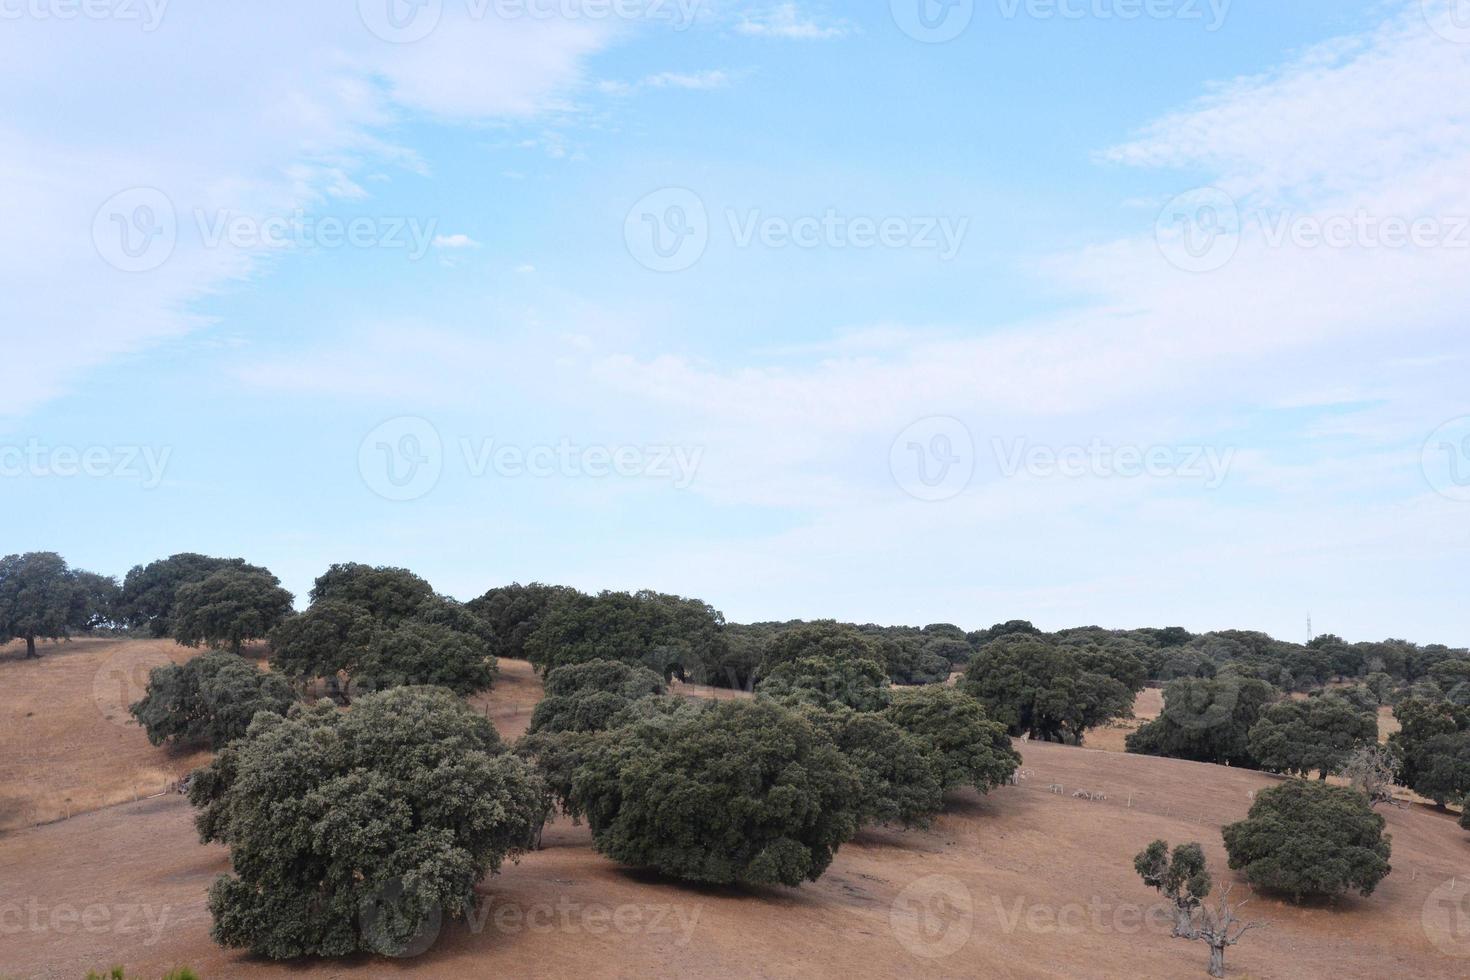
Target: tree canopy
{"x":1031,"y":684}
{"x":1310,"y":840}
{"x":741,"y":791}
{"x":390,"y":595}
{"x":42,"y":597}
{"x":828,"y":680}
{"x":229,"y":607}
{"x":150,"y":591}
{"x":662,"y":632}
{"x":514,"y":611}
{"x":1206,"y":720}
{"x":209,"y":699}
{"x":355,"y":831}
{"x":962,"y":745}
{"x":1318,"y":733}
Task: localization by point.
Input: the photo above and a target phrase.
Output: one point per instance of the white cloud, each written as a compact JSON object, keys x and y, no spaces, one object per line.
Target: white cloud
{"x":1159,"y":356}
{"x":455,"y":241}
{"x":785,"y":21}
{"x":287,"y":108}
{"x":691,"y":81}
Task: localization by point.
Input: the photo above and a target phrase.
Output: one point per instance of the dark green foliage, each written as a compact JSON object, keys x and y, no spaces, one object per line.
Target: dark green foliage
{"x":629,"y":680}
{"x":149,"y":591}
{"x":397,"y":807}
{"x":41,"y":597}
{"x":662,"y":632}
{"x":1317,"y":734}
{"x":584,"y":711}
{"x":963,"y":746}
{"x":331,"y":636}
{"x":1014,"y":627}
{"x":910,"y":660}
{"x":389,"y":595}
{"x":739,"y":657}
{"x":1182,"y":878}
{"x":1310,"y":840}
{"x":514,"y":611}
{"x":229,"y":607}
{"x":737,"y":792}
{"x":899,"y":784}
{"x":1032,"y":685}
{"x":557,"y":756}
{"x":1206,"y":720}
{"x":587,"y":697}
{"x":1453,"y":678}
{"x":824,"y":638}
{"x":1442,"y":767}
{"x":417,"y":653}
{"x":438,"y":610}
{"x":1421,"y":721}
{"x":209,"y":699}
{"x":828,"y":681}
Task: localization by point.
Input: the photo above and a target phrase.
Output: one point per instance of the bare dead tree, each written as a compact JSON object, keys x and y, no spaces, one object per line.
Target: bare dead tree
{"x":1370,"y":770}
{"x":1220,"y":929}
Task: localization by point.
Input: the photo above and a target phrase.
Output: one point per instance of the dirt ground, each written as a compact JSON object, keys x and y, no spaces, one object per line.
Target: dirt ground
{"x":69,"y":744}
{"x":1023,"y":883}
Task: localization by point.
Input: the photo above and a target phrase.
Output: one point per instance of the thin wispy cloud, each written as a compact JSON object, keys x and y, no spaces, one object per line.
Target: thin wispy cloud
{"x":787,"y":22}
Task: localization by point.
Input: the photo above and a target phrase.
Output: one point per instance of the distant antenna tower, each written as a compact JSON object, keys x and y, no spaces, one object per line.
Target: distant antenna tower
{"x":1310,"y":635}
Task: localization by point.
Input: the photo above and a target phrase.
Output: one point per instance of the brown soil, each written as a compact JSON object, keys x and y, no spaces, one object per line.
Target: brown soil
{"x":1024,"y":883}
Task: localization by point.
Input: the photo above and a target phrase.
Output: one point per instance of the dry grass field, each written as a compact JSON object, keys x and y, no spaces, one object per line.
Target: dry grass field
{"x":1023,"y":883}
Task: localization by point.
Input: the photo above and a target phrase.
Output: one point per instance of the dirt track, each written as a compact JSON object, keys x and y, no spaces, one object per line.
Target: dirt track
{"x":1024,"y":883}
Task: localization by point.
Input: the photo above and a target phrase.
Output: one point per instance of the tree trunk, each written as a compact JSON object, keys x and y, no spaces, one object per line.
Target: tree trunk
{"x":1217,"y":961}
{"x":31,"y":648}
{"x":1183,"y":923}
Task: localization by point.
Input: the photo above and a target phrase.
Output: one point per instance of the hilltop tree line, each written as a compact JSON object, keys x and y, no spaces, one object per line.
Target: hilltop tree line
{"x":358,"y":830}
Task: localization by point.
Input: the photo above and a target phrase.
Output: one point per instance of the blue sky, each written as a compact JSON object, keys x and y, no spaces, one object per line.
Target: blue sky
{"x":1028,"y":397}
